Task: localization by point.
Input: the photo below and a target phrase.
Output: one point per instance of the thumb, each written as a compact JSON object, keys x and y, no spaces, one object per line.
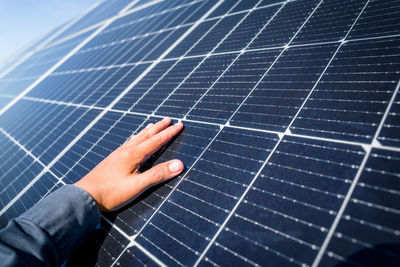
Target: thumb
{"x":161,"y":172}
{"x":137,"y":183}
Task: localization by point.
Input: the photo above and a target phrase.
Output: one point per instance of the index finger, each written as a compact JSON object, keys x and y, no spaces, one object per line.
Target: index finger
{"x":154,"y":143}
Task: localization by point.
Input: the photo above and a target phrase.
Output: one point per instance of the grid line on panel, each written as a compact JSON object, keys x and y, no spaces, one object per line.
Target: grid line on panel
{"x":374,"y":144}
{"x":236,"y":205}
{"x":319,"y":256}
{"x":182,"y":25}
{"x":337,"y":50}
{"x":146,"y":17}
{"x":275,"y":198}
{"x":131,"y":4}
{"x":101,"y":137}
{"x":27,"y":151}
{"x":217,"y":53}
{"x":339,"y":214}
{"x":376,"y":235}
{"x":194,"y":180}
{"x":55,"y":66}
{"x":174,"y":188}
{"x":205,"y":58}
{"x":353,"y":186}
{"x":237,"y":57}
{"x":173,"y":65}
{"x":41,"y":45}
{"x":375,"y":140}
{"x":120,"y":95}
{"x":45,"y":121}
{"x":285,"y":47}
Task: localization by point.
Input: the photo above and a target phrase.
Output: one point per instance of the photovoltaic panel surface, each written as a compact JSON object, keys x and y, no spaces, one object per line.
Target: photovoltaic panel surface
{"x":291,"y":141}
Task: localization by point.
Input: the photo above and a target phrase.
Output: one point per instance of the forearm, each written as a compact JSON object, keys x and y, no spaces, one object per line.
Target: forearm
{"x":48,"y":232}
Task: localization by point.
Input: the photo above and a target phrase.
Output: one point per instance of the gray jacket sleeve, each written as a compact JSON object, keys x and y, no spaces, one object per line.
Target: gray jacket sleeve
{"x":47,"y":233}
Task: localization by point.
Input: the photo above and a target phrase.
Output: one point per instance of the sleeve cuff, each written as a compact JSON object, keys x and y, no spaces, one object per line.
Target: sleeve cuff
{"x":68,"y":215}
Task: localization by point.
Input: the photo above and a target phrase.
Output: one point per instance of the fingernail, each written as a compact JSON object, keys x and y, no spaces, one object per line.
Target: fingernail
{"x":179,"y":124}
{"x":149,"y":125}
{"x":165,"y":119}
{"x":174,"y":166}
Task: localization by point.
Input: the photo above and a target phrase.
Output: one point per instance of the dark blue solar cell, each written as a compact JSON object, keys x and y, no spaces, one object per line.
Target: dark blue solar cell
{"x":159,"y":91}
{"x":47,"y":183}
{"x":101,"y":12}
{"x":194,"y":86}
{"x":350,"y":99}
{"x":248,"y":29}
{"x":245,"y":5}
{"x":274,"y":102}
{"x":282,"y":28}
{"x":225,"y":96}
{"x":152,"y":43}
{"x":46,"y":129}
{"x":24,"y":74}
{"x":183,"y":47}
{"x":101,"y":248}
{"x":133,"y":256}
{"x":380,"y":18}
{"x":98,"y":88}
{"x":368,"y":233}
{"x":183,"y":226}
{"x":145,"y":84}
{"x":286,"y":214}
{"x":17,"y":170}
{"x":168,"y":40}
{"x":201,"y":9}
{"x":214,"y":37}
{"x":389,"y":135}
{"x":331,"y":21}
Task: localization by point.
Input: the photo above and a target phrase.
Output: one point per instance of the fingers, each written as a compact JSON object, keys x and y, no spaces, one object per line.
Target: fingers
{"x":154,"y":143}
{"x":150,"y":130}
{"x":160,"y":173}
{"x":137,"y":183}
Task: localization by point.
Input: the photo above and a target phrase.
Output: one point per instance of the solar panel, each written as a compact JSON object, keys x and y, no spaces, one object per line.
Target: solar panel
{"x":291,"y":138}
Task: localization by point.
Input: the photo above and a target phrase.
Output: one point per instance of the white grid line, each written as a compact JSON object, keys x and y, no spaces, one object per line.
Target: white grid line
{"x":332,"y":229}
{"x":217,"y":124}
{"x":223,"y":53}
{"x":241,"y":52}
{"x":93,"y":122}
{"x":31,"y":183}
{"x":45,"y":42}
{"x":268,"y":157}
{"x":55,"y":66}
{"x":279,"y":133}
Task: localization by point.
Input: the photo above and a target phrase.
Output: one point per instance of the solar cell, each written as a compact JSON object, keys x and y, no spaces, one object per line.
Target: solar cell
{"x":291,"y":138}
{"x":26,"y":73}
{"x":40,"y":189}
{"x":285,"y":215}
{"x":389,"y":134}
{"x":354,"y":92}
{"x":330,"y":22}
{"x":367,"y":233}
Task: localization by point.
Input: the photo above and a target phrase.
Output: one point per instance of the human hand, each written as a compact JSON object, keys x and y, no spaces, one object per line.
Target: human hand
{"x":117,"y":180}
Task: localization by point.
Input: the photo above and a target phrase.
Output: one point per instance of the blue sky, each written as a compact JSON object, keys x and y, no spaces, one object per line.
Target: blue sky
{"x":21,"y":21}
